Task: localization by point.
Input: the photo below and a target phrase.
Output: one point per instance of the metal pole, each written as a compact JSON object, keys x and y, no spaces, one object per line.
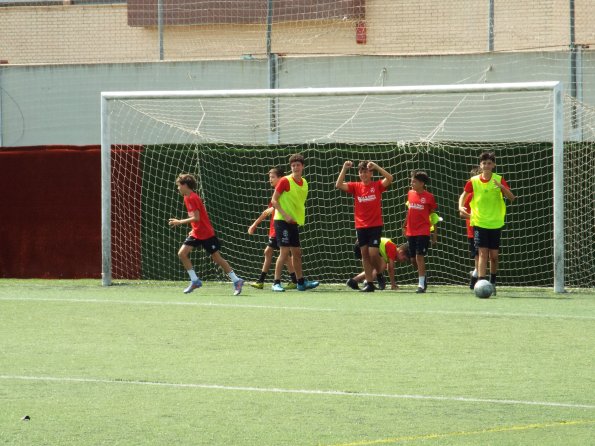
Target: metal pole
{"x":106,"y":197}
{"x":491,"y":25}
{"x":573,"y":77}
{"x":273,"y":80}
{"x":558,"y":192}
{"x":160,"y":27}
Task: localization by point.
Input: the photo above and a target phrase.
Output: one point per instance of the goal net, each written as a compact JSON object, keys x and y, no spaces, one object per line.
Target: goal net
{"x":230,"y":139}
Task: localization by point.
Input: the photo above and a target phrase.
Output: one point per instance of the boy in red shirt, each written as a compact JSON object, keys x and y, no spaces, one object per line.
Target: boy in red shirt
{"x":202,"y":234}
{"x":367,"y":195}
{"x":421,"y":204}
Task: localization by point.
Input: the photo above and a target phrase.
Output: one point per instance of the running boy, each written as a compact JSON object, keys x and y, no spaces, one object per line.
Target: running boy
{"x":488,"y":211}
{"x":367,"y":195}
{"x":289,"y":201}
{"x":274,"y":175}
{"x":421,"y":204}
{"x":202,"y":234}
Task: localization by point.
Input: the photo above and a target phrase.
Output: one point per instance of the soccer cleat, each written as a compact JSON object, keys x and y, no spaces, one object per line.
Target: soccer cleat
{"x":381,"y":281}
{"x":352,"y":284}
{"x":258,"y":285}
{"x":426,"y":282}
{"x":369,"y":288}
{"x":308,"y":285}
{"x":420,"y":290}
{"x":473,"y":281}
{"x":237,"y":287}
{"x":291,"y":286}
{"x":193,"y":285}
{"x":277,"y":287}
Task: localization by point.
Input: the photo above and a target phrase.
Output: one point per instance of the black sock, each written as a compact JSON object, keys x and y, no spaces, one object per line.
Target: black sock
{"x":481,"y":278}
{"x":493,"y":279}
{"x":300,"y":281}
{"x":277,"y":282}
{"x":293,"y":277}
{"x":263,"y":276}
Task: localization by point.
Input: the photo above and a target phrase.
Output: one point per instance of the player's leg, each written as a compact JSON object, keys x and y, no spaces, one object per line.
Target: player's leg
{"x":266,"y":265}
{"x":212,"y":246}
{"x":281,"y":259}
{"x":184,"y":256}
{"x":474,"y":255}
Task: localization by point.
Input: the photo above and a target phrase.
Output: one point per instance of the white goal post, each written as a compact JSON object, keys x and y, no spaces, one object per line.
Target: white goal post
{"x":275,"y":127}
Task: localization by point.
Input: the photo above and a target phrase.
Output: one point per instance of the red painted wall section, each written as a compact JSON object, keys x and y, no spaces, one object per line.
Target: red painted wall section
{"x":50,"y":212}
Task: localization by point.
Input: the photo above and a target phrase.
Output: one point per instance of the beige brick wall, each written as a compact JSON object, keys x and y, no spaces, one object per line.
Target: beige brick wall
{"x":89,"y":34}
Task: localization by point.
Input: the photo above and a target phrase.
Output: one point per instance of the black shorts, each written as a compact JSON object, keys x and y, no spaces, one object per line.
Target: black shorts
{"x":273,"y":243}
{"x":288,"y":234}
{"x":487,"y":238}
{"x":472,"y":249}
{"x":210,"y":245}
{"x":418,"y":245}
{"x":369,"y":237}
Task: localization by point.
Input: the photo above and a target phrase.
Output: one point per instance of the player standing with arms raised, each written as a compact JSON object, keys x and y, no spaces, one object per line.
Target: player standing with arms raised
{"x":367,"y":196}
{"x":488,"y":211}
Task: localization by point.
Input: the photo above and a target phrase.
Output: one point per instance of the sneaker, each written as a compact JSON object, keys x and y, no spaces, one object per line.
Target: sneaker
{"x":420,"y":290}
{"x":237,"y":287}
{"x":381,"y":281}
{"x":426,"y":282}
{"x":193,"y":285}
{"x":473,"y":281}
{"x":494,"y":288}
{"x":352,"y":284}
{"x":258,"y":285}
{"x":291,"y":286}
{"x":308,"y":285}
{"x":369,"y":288}
{"x":277,"y":287}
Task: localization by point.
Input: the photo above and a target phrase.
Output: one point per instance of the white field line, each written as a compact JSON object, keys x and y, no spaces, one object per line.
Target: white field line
{"x":296,"y":391}
{"x":298,"y":308}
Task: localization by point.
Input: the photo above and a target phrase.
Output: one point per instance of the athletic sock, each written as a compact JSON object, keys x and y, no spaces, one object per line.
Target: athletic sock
{"x":474,"y":273}
{"x":233,"y":276}
{"x":422,"y":281}
{"x":192,"y":274}
{"x":293,"y":277}
{"x":277,"y":282}
{"x":263,"y":276}
{"x":493,"y":279}
{"x":301,"y":281}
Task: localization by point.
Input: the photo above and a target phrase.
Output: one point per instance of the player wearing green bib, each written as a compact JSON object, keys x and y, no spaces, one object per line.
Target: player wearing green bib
{"x":289,"y":201}
{"x":488,"y":212}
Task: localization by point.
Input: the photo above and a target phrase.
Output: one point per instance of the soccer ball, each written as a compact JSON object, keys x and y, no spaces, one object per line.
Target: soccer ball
{"x":483,"y":289}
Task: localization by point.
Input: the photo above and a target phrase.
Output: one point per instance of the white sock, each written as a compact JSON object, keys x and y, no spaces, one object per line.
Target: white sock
{"x":192,"y":275}
{"x":474,"y":273}
{"x":233,"y":276}
{"x":422,"y":281}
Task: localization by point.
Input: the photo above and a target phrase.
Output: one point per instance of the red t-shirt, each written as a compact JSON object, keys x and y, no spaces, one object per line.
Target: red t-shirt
{"x":391,"y":250}
{"x":467,"y":207}
{"x":367,"y":198}
{"x":202,"y":229}
{"x":421,"y":205}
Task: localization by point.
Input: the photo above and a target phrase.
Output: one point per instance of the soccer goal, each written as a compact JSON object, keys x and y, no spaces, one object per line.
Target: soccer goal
{"x":230,"y":139}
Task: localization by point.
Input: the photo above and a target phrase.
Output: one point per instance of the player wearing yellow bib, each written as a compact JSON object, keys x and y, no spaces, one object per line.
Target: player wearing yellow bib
{"x":289,"y":201}
{"x":488,"y":211}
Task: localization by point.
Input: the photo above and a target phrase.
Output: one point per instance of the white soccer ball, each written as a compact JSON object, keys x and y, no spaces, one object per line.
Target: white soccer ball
{"x":483,"y":289}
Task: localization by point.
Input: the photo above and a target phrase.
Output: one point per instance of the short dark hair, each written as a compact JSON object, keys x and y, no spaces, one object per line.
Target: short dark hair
{"x":297,"y":157}
{"x":187,"y":179}
{"x":363,"y":165}
{"x":420,"y":175}
{"x":278,"y":170}
{"x":487,"y":156}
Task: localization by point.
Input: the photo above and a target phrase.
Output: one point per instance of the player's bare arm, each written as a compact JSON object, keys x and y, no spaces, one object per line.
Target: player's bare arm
{"x":177,"y":222}
{"x":462,"y":199}
{"x":388,"y":178}
{"x":341,"y":184}
{"x":261,"y":217}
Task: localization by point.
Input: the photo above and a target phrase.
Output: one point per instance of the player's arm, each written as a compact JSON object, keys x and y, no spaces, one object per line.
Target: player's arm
{"x":462,"y":199}
{"x":388,"y":178}
{"x":505,"y":191}
{"x":259,"y":220}
{"x":341,"y":184}
{"x":275,"y":202}
{"x":192,"y":217}
{"x":391,"y":274}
